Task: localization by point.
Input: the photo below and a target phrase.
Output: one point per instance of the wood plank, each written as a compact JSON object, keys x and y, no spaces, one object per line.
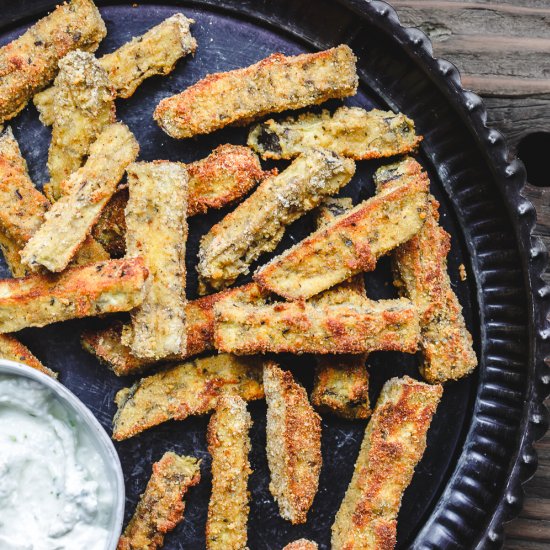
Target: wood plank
{"x":529,"y":529}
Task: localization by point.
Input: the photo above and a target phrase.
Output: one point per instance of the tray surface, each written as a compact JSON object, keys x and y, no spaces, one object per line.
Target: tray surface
{"x":484,"y":239}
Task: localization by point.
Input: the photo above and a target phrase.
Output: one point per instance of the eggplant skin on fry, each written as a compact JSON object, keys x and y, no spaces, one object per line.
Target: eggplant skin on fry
{"x":350,"y":131}
{"x":29,"y":63}
{"x":272,"y":85}
{"x":161,"y":506}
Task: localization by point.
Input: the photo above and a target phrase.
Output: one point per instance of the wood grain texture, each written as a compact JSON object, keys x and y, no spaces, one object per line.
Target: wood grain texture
{"x":501,"y":48}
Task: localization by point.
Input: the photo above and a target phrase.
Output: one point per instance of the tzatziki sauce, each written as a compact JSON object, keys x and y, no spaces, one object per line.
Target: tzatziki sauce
{"x":54,"y":487}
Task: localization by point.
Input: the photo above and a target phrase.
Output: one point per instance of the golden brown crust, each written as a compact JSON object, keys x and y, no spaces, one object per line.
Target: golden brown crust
{"x":351,"y":243}
{"x":304,"y":327}
{"x":13,"y":350}
{"x":106,"y":345}
{"x":223,"y":177}
{"x":29,"y":63}
{"x":229,"y":446}
{"x":350,"y":131}
{"x":258,"y":224}
{"x":154,"y":53}
{"x":22,"y":210}
{"x":274,"y":84}
{"x":341,"y":383}
{"x":161,"y":506}
{"x":190,"y":388}
{"x":301,"y":544}
{"x":38,"y":300}
{"x":421,"y":269}
{"x":157,"y":232}
{"x":393,"y":445}
{"x":293,"y":444}
{"x":84,"y":105}
{"x":70,"y":219}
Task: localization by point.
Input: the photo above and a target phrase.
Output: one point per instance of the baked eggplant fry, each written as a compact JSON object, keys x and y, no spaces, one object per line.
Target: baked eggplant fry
{"x":272,"y":85}
{"x":303,"y":327}
{"x":157,"y":231}
{"x":352,"y":243}
{"x":229,"y":445}
{"x":161,"y":507}
{"x":22,"y":210}
{"x":341,"y":383}
{"x":351,"y":132}
{"x":29,"y":63}
{"x":39,"y":300}
{"x":293,"y":434}
{"x":106,"y":344}
{"x":154,"y":53}
{"x":301,"y":544}
{"x":258,"y":224}
{"x":421,"y":270}
{"x":71,"y":218}
{"x":84,"y":105}
{"x":13,"y":350}
{"x":223,"y":177}
{"x":394,"y":442}
{"x":186,"y":389}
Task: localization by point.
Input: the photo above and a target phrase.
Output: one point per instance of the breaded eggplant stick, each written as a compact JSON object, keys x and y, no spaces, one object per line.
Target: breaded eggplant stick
{"x":106,"y":344}
{"x":157,"y":231}
{"x":341,"y":383}
{"x":29,"y":63}
{"x":229,"y":445}
{"x":272,"y":85}
{"x":223,"y":177}
{"x":293,"y":444}
{"x":186,"y":389}
{"x":352,"y":243}
{"x":421,"y":270}
{"x":69,"y":221}
{"x":258,"y":224}
{"x":351,"y":132}
{"x":84,"y":105}
{"x":394,"y":442}
{"x":13,"y":350}
{"x":39,"y":300}
{"x":161,"y":507}
{"x":154,"y":53}
{"x":303,"y":327}
{"x":301,"y":544}
{"x":23,"y":207}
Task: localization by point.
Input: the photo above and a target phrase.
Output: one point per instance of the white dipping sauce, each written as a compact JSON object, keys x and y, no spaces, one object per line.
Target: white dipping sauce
{"x":54,"y":488}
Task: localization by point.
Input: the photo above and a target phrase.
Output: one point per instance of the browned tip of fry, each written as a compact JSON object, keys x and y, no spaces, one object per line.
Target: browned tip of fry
{"x":13,"y":350}
{"x":274,"y":84}
{"x":301,"y":544}
{"x":293,"y":444}
{"x":161,"y":506}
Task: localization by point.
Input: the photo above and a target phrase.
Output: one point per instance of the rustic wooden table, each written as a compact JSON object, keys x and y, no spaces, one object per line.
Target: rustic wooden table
{"x":502,"y":48}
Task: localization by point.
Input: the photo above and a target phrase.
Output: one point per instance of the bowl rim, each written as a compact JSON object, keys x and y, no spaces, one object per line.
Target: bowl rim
{"x":97,"y":432}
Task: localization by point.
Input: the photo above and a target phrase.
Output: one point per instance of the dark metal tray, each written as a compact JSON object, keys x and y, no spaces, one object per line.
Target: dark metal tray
{"x":480,"y":444}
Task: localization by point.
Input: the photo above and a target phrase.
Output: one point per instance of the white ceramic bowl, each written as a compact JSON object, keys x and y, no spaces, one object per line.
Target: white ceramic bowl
{"x":96,"y":433}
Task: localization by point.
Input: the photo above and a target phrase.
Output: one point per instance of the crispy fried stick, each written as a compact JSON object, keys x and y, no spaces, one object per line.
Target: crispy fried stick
{"x":157,"y":231}
{"x":29,"y":63}
{"x":191,"y":388}
{"x":229,"y":445}
{"x":293,"y":444}
{"x":258,"y":224}
{"x":393,"y":445}
{"x":38,"y":300}
{"x":421,"y":271}
{"x":272,"y":85}
{"x":351,"y":132}
{"x":154,"y":53}
{"x":71,"y":218}
{"x":13,"y":350}
{"x":351,"y":243}
{"x":161,"y":507}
